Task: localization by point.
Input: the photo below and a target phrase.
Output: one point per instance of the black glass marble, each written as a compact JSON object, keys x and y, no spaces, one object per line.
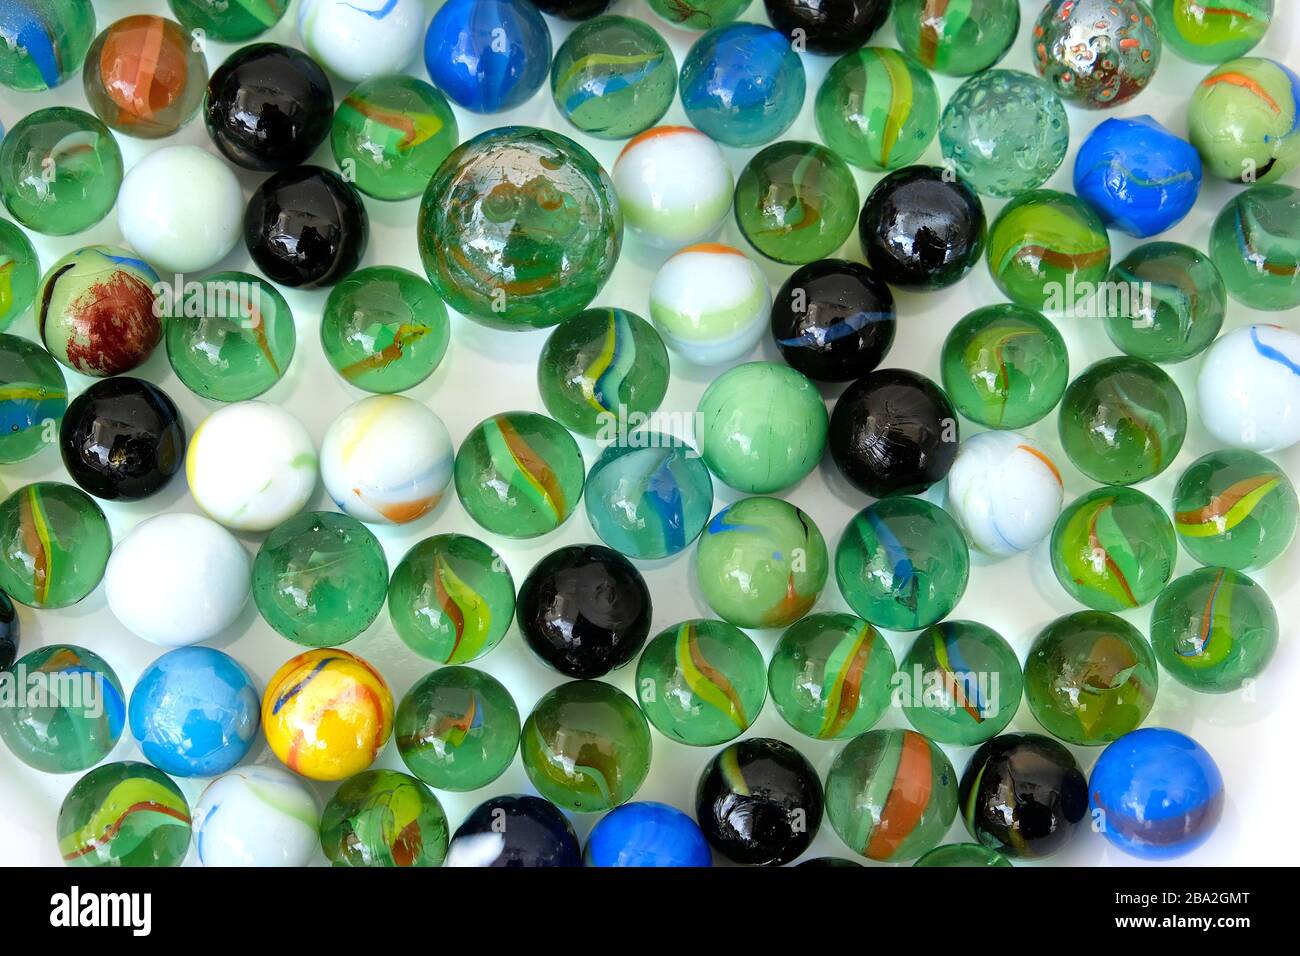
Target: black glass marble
{"x":922,"y":228}
{"x":893,"y":432}
{"x":1023,"y":795}
{"x":759,"y":802}
{"x":9,"y":631}
{"x":268,"y":107}
{"x":306,"y":227}
{"x":515,"y":830}
{"x":828,"y":27}
{"x":573,"y":9}
{"x":833,"y":320}
{"x":122,"y":439}
{"x":584,"y":610}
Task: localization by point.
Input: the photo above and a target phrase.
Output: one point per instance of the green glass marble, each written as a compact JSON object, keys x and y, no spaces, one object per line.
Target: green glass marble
{"x":1244,"y":120}
{"x":613,"y":77}
{"x":451,"y":599}
{"x":956,"y":37}
{"x":1255,"y":243}
{"x":384,"y":329}
{"x":1113,"y":548}
{"x":1090,"y":678}
{"x":229,"y":21}
{"x":699,"y":14}
{"x":586,"y":746}
{"x":1211,"y":31}
{"x":383,"y":818}
{"x":33,"y":398}
{"x":963,"y":854}
{"x":519,"y":474}
{"x":796,"y":202}
{"x":761,"y":562}
{"x":60,"y":170}
{"x":831,"y":676}
{"x":1235,"y":509}
{"x":891,"y":795}
{"x":43,"y":42}
{"x":1169,"y":302}
{"x":1122,"y":421}
{"x":124,"y":814}
{"x":762,"y":427}
{"x":20,"y":270}
{"x":1047,"y":250}
{"x":1004,"y":366}
{"x":54,"y":544}
{"x":603,"y":371}
{"x":701,"y":682}
{"x":457,"y":729}
{"x":878,"y":109}
{"x":960,"y":683}
{"x":902,"y":563}
{"x":1214,"y":630}
{"x":320,"y":578}
{"x":73,"y":714}
{"x":390,"y":135}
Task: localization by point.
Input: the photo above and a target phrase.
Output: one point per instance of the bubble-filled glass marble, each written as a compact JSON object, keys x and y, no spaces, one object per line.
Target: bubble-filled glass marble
{"x":1169,"y":305}
{"x":1047,"y":250}
{"x":54,"y":544}
{"x":145,"y":76}
{"x":960,"y":683}
{"x":124,"y":814}
{"x":383,"y":818}
{"x":43,"y":42}
{"x":956,"y":37}
{"x":1244,"y":120}
{"x":796,"y":202}
{"x":1096,"y":53}
{"x":1211,"y":32}
{"x":229,"y":21}
{"x":1235,"y":509}
{"x":1255,"y":243}
{"x":33,"y":398}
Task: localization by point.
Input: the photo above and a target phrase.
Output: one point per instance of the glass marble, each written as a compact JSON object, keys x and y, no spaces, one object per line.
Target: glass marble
{"x":451,"y":599}
{"x":43,"y":42}
{"x":1211,"y":32}
{"x":361,"y":41}
{"x":891,"y":795}
{"x":1244,"y":120}
{"x":674,"y":186}
{"x":1004,"y":366}
{"x":1096,"y":53}
{"x":1138,"y":176}
{"x":761,"y":562}
{"x":956,"y":37}
{"x":320,"y":579}
{"x":229,"y":21}
{"x":20,"y":271}
{"x":759,"y":802}
{"x":390,"y":135}
{"x":78,"y":719}
{"x":960,"y":683}
{"x":1113,"y":548}
{"x":877,"y":109}
{"x":519,"y":474}
{"x":54,"y":544}
{"x":1235,"y":509}
{"x":195,"y":712}
{"x":144,"y":76}
{"x":383,"y":818}
{"x":1004,"y":132}
{"x":613,"y":77}
{"x":1023,"y":795}
{"x":515,"y":831}
{"x":762,"y":427}
{"x":384,"y":329}
{"x":33,"y":398}
{"x":488,"y":55}
{"x":602,"y":370}
{"x":519,"y":228}
{"x":796,"y":202}
{"x":699,"y":14}
{"x":1170,"y":302}
{"x":1156,"y":794}
{"x":1004,"y":492}
{"x":1047,"y":251}
{"x":710,"y":302}
{"x":124,"y":814}
{"x":586,"y":746}
{"x":327,"y":714}
{"x":742,"y":84}
{"x":1248,"y":389}
{"x":572,"y":9}
{"x":964,"y":855}
{"x":648,"y":495}
{"x":827,"y":27}
{"x":60,"y":170}
{"x":831,"y":676}
{"x":646,"y":834}
{"x":701,"y":682}
{"x":1255,"y":243}
{"x":10,"y":629}
{"x":258,"y":816}
{"x":457,"y":729}
{"x":902,"y":563}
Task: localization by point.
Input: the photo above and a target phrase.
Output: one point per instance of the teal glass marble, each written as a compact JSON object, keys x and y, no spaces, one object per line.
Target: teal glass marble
{"x":33,"y":398}
{"x":383,"y":818}
{"x":649,"y":495}
{"x":831,"y":676}
{"x":613,"y":77}
{"x":698,"y":14}
{"x":1235,"y":509}
{"x":229,"y":21}
{"x":1211,"y":31}
{"x":762,"y":427}
{"x":20,"y":270}
{"x":43,"y":42}
{"x":124,"y":814}
{"x":1122,"y":421}
{"x":796,"y":202}
{"x":1169,"y":302}
{"x":956,"y":37}
{"x":902,"y":563}
{"x":962,"y":854}
{"x":761,"y":562}
{"x":54,"y":544}
{"x":1255,"y":242}
{"x":960,"y":683}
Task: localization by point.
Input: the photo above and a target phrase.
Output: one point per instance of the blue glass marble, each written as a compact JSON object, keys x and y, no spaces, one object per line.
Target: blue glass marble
{"x":488,"y":55}
{"x":195,"y":712}
{"x":1156,"y":793}
{"x":1138,"y":176}
{"x":515,"y":831}
{"x":742,"y":84}
{"x":647,"y":834}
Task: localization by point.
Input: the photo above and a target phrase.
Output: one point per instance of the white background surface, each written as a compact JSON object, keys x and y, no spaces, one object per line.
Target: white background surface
{"x":1252,"y":738}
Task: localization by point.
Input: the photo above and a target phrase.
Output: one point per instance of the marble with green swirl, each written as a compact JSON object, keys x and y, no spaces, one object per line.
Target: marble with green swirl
{"x":124,"y":814}
{"x":1047,"y":250}
{"x":796,"y":202}
{"x":1169,"y":302}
